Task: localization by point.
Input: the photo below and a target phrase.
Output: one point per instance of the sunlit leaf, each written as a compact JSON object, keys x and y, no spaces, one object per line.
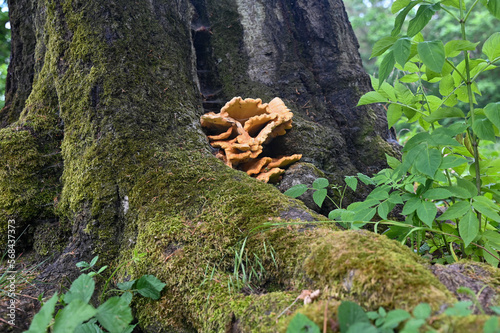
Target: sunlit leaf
{"x":423,"y":16}
{"x":493,"y":6}
{"x":72,"y":316}
{"x":426,"y":211}
{"x":394,"y":113}
{"x":491,"y":47}
{"x":386,"y":67}
{"x":42,"y":319}
{"x":296,"y":191}
{"x":398,"y":22}
{"x":402,"y":50}
{"x":319,"y":196}
{"x":372,"y":97}
{"x":483,"y":128}
{"x":432,"y":54}
{"x":320,"y":183}
{"x":468,"y":227}
{"x":382,"y":45}
{"x":428,"y":162}
{"x":352,"y":182}
{"x":492,"y":112}
{"x":454,"y":47}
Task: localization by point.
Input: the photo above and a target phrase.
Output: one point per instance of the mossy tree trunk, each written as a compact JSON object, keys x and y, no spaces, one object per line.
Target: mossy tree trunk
{"x":102,"y":153}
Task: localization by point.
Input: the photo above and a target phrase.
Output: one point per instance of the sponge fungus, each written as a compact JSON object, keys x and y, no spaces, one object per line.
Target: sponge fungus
{"x":242,"y":128}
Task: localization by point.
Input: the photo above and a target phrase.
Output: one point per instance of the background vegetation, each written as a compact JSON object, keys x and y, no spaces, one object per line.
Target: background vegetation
{"x":4,"y":49}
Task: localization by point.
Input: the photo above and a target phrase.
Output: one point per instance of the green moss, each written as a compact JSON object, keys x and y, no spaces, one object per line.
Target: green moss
{"x":49,"y":238}
{"x":374,"y":271}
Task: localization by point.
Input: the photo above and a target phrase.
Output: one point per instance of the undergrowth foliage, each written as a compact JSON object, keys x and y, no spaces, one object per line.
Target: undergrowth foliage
{"x":78,"y":316}
{"x":352,"y":318}
{"x":448,"y":191}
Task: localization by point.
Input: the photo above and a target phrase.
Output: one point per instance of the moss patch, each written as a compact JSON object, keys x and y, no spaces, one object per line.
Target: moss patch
{"x":374,"y":271}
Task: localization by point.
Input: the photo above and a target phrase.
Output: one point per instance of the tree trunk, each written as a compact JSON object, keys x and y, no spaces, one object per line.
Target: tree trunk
{"x":102,"y":153}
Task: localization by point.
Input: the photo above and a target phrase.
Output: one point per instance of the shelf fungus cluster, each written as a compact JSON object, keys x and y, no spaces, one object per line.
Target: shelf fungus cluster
{"x":241,"y":130}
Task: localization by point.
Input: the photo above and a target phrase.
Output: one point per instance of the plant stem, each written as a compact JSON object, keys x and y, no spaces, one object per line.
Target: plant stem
{"x":472,"y":135}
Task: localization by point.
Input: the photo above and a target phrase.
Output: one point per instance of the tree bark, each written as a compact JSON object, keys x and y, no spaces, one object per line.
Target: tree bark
{"x":102,"y":153}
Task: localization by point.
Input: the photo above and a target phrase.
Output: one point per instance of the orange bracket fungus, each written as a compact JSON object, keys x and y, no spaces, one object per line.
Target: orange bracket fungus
{"x":242,"y":128}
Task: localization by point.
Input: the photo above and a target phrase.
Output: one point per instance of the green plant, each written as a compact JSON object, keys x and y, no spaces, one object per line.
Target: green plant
{"x":449,"y":192}
{"x":248,"y":268}
{"x":352,"y":318}
{"x":441,"y":166}
{"x":77,"y":315}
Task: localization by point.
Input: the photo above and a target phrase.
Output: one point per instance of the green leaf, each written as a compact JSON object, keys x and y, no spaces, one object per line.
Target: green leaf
{"x":82,"y":288}
{"x":482,"y":205}
{"x":352,"y":182}
{"x":410,"y":78}
{"x":372,"y":97}
{"x":379,"y":193}
{"x":413,"y":325}
{"x":386,"y":67}
{"x":365,"y":179}
{"x":383,"y":210}
{"x":416,"y":140}
{"x":320,"y":183}
{"x":150,"y":286}
{"x":402,"y":50}
{"x":363,"y":327}
{"x":42,"y":319}
{"x":411,"y":205}
{"x":424,"y":15}
{"x":456,"y":211}
{"x":454,"y":3}
{"x":382,"y":45}
{"x":467,"y":185}
{"x":127,"y":297}
{"x":491,"y":325}
{"x":392,"y":161}
{"x":296,"y":190}
{"x":398,"y":5}
{"x":441,"y":139}
{"x":454,"y":47}
{"x":88,"y":327}
{"x":394,"y":113}
{"x":483,"y":128}
{"x":301,"y":324}
{"x":336,"y":213}
{"x":446,"y":85}
{"x":403,"y":94}
{"x":319,"y":196}
{"x":395,"y":198}
{"x":491,"y":47}
{"x":422,"y":311}
{"x":398,"y":22}
{"x":72,"y":316}
{"x":394,"y":318}
{"x":437,"y":194}
{"x":349,"y":313}
{"x":460,"y":309}
{"x":114,"y":315}
{"x":432,"y":55}
{"x":125,"y":285}
{"x":93,"y":261}
{"x":444,"y":113}
{"x":364,"y":214}
{"x":493,"y":6}
{"x":468,"y":227}
{"x":426,"y":212}
{"x":493,"y":261}
{"x":451,"y":161}
{"x":492,"y":112}
{"x":388,"y":91}
{"x":428,"y":162}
